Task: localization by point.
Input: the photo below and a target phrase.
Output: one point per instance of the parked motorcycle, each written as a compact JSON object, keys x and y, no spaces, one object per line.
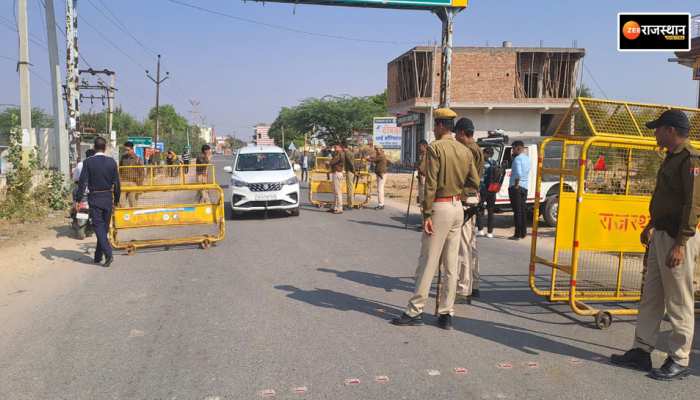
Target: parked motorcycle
{"x":80,"y":217}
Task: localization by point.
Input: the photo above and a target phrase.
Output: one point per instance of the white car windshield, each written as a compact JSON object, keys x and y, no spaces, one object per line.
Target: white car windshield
{"x":262,"y":162}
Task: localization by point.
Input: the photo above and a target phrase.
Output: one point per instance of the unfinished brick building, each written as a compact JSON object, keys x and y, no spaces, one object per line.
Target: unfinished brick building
{"x":522,"y":90}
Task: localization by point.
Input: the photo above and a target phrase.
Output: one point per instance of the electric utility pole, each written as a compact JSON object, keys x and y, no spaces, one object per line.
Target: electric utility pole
{"x":157,"y":81}
{"x":59,"y":142}
{"x":23,"y":69}
{"x":72,"y":80}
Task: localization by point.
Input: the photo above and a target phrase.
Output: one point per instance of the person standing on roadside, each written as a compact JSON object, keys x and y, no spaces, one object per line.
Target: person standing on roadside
{"x":100,"y":176}
{"x":519,"y":180}
{"x":336,"y":166}
{"x":304,"y":166}
{"x":490,"y":181}
{"x":203,"y":168}
{"x":468,"y":283}
{"x":349,"y":177}
{"x":672,"y":241}
{"x":133,"y":174}
{"x":380,"y":168}
{"x":450,"y":175}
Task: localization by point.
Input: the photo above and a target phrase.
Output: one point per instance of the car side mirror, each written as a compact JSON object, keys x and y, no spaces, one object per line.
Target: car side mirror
{"x":228,"y":169}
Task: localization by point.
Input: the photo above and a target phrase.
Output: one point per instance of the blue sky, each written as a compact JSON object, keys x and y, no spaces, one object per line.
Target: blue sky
{"x":243,"y":73}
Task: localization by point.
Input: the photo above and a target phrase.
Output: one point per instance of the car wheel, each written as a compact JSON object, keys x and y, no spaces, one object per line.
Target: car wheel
{"x":551,"y":210}
{"x":294,"y":212}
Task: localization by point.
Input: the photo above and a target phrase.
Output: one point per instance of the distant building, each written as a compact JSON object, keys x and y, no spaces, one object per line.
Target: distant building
{"x":261,"y":137}
{"x":692,"y":58}
{"x":522,"y":90}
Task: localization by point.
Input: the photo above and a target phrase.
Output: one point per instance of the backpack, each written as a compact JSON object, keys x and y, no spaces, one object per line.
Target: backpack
{"x":494,"y":178}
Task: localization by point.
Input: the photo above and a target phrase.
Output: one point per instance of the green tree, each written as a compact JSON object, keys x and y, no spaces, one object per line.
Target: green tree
{"x":40,"y":119}
{"x":332,"y":118}
{"x":174,"y":129}
{"x":234,"y":143}
{"x":123,"y":123}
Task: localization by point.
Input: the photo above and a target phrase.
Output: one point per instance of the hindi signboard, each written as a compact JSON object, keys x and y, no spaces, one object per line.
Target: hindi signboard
{"x":386,"y":133}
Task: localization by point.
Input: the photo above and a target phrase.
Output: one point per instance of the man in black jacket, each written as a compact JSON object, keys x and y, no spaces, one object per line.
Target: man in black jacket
{"x":101,"y":176}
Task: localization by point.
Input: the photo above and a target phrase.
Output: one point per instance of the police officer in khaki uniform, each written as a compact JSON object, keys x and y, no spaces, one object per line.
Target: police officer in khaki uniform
{"x":468,"y":283}
{"x":336,"y":165}
{"x":450,"y":174}
{"x":672,"y":243}
{"x":349,"y":177}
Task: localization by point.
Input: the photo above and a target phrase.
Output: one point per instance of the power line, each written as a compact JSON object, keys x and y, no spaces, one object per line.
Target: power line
{"x":116,"y":22}
{"x":36,"y":75}
{"x":108,"y":40}
{"x":285,"y":28}
{"x":595,"y":81}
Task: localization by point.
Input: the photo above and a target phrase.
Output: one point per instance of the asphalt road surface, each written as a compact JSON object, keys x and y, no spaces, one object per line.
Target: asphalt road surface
{"x":299,"y":308}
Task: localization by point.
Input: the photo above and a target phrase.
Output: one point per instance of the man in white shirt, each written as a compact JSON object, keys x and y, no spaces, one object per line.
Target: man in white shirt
{"x":79,"y":168}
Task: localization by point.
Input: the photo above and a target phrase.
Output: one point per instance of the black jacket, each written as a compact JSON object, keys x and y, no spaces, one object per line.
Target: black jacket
{"x":101,"y":176}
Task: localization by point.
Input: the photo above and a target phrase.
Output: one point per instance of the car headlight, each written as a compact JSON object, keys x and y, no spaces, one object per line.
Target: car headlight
{"x":238,"y":183}
{"x":291,"y":181}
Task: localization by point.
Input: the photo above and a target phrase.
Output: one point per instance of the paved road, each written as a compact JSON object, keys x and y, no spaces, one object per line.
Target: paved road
{"x":302,"y":302}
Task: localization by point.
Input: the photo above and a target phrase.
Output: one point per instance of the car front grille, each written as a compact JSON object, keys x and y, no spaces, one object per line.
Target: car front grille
{"x":265,"y":187}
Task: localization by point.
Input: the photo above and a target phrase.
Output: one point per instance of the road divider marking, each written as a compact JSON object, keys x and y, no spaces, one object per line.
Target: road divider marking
{"x":575,"y":361}
{"x":461,"y":371}
{"x":505,"y":365}
{"x":268,"y":393}
{"x":532,"y":364}
{"x":433,"y":372}
{"x":381,"y":379}
{"x":352,"y":381}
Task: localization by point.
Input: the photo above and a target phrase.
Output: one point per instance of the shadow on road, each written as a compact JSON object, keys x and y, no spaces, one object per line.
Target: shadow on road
{"x":516,"y":337}
{"x":388,"y":283}
{"x":379,"y":224}
{"x":51,"y":254}
{"x":341,"y":301}
{"x":64,"y":230}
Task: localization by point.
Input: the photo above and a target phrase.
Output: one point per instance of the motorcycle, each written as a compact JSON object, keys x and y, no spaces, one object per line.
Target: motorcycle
{"x":80,"y":217}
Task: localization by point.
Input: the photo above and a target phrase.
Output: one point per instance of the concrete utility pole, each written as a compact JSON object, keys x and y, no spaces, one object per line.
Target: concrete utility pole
{"x":446,"y":15}
{"x":72,"y":80}
{"x":23,"y":68}
{"x":157,"y":81}
{"x":58,"y":145}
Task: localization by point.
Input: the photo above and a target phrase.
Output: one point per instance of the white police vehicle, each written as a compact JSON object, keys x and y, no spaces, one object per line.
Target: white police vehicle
{"x":262,"y":178}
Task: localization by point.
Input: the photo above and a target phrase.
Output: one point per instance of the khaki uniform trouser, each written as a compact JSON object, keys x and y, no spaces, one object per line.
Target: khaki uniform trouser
{"x":669,"y":291}
{"x":131,"y":197}
{"x":350,"y":188}
{"x":468,"y":260}
{"x":380,"y":189}
{"x":443,"y":245}
{"x":338,"y":190}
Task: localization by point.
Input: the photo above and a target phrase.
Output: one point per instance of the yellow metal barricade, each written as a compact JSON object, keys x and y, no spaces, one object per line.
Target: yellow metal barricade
{"x":606,"y":162}
{"x":166,"y":206}
{"x":321,"y":183}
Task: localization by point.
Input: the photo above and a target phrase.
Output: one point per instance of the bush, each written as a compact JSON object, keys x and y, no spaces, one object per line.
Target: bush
{"x":23,"y":201}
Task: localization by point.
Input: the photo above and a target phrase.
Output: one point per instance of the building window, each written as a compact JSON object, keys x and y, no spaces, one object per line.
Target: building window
{"x":530,"y":81}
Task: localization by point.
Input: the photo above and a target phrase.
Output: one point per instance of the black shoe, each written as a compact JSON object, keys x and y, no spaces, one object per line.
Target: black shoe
{"x":405,"y":320}
{"x":379,"y":207}
{"x":96,"y":261}
{"x":475,"y":293}
{"x":445,"y":322}
{"x":460,"y":299}
{"x":108,"y":261}
{"x":635,"y":359}
{"x":670,"y":371}
{"x":514,"y":237}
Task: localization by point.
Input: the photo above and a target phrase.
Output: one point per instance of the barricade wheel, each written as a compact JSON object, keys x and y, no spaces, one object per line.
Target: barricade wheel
{"x":204,"y":244}
{"x":603,"y":320}
{"x":130,"y":250}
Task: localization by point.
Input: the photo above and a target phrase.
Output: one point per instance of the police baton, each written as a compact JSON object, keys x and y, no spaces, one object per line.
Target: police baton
{"x":410,"y":195}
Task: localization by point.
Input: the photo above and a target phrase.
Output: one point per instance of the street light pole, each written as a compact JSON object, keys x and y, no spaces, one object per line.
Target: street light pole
{"x":157,"y":81}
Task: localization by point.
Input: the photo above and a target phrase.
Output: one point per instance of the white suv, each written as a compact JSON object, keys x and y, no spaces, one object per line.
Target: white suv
{"x":263,"y":179}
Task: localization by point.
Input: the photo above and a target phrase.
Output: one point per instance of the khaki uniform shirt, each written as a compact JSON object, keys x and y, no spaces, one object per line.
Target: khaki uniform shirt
{"x":349,"y":159}
{"x":478,"y":157}
{"x":675,"y":205}
{"x":202,"y":160}
{"x":134,"y":175}
{"x":380,"y":164}
{"x":450,"y":171}
{"x":338,"y":162}
{"x":422,"y":164}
